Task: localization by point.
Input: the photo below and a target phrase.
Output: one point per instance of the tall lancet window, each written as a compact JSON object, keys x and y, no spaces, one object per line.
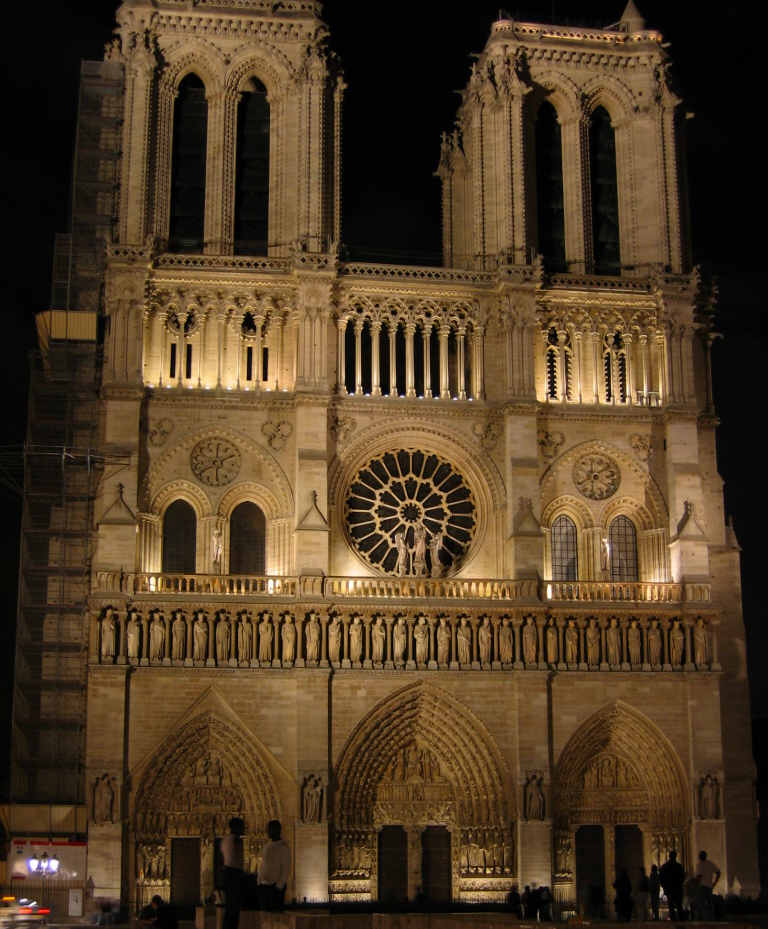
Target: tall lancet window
{"x":605,"y":194}
{"x":549,"y":188}
{"x":252,"y":177}
{"x":190,"y":129}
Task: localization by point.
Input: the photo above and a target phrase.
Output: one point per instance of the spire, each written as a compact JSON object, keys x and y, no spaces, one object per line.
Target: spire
{"x":631,"y":19}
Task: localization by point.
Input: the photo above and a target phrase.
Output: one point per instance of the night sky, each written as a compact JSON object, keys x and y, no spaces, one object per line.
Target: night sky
{"x":403,"y":63}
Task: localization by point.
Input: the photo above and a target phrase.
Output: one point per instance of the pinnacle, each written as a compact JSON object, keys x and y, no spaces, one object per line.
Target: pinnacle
{"x":632,"y":18}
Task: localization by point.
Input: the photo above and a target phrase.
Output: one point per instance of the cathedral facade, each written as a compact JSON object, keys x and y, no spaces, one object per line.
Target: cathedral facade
{"x":428,"y":563}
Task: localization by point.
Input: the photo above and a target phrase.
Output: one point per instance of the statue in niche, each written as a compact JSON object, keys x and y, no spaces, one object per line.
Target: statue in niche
{"x":605,"y":554}
{"x":223,"y":638}
{"x":419,"y":550}
{"x":200,"y":637}
{"x":633,"y":643}
{"x":312,"y":799}
{"x":676,"y":639}
{"x":700,"y":644}
{"x":435,"y":544}
{"x":356,"y":640}
{"x":464,"y":642}
{"x":506,"y":647}
{"x":484,"y":641}
{"x":244,"y":638}
{"x":563,"y":854}
{"x":265,"y":638}
{"x":178,"y":636}
{"x":313,"y":638}
{"x":534,"y":797}
{"x":401,"y":567}
{"x":103,"y":800}
{"x":654,"y":644}
{"x":708,"y":797}
{"x":398,"y":641}
{"x":529,"y":641}
{"x":378,"y":637}
{"x":334,"y":639}
{"x":571,"y":643}
{"x":476,"y":855}
{"x":157,"y":638}
{"x":551,"y":640}
{"x":612,"y":645}
{"x":443,"y":642}
{"x":217,"y":547}
{"x":133,"y":634}
{"x":593,"y":644}
{"x":421,"y":640}
{"x":108,"y":636}
{"x":288,"y":636}
{"x":206,"y":874}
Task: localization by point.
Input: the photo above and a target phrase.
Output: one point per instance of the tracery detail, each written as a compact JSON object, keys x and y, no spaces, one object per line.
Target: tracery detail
{"x":597,"y":477}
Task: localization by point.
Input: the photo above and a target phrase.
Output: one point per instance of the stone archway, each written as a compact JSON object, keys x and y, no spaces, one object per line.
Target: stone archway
{"x":618,"y":770}
{"x":212,"y":770}
{"x":421,"y":759}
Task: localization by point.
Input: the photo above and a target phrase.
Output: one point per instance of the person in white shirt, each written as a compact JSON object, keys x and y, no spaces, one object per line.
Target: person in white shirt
{"x":707,"y":874}
{"x":232,"y":852}
{"x":274,"y":869}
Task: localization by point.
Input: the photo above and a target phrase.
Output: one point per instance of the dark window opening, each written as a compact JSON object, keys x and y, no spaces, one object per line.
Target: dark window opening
{"x":188,"y":363}
{"x":265,"y":364}
{"x":622,"y":539}
{"x":247,"y":540}
{"x":418,"y":362}
{"x":252,"y":176}
{"x":190,"y":119}
{"x":179,"y":530}
{"x":349,"y":357}
{"x":605,"y":194}
{"x":434,"y":360}
{"x":400,"y":361}
{"x":549,"y":188}
{"x":365,"y":357}
{"x":384,"y":373}
{"x":565,"y":565}
{"x":249,"y":364}
{"x":172,"y":361}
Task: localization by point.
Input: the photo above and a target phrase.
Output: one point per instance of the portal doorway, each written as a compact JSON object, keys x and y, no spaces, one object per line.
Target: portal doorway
{"x":393,"y":865}
{"x":436,"y":864}
{"x":590,"y":871}
{"x":629,"y":852}
{"x":185,"y":872}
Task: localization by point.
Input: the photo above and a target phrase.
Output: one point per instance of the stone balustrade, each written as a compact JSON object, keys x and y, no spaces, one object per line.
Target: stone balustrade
{"x":635,"y":591}
{"x":432,"y":639}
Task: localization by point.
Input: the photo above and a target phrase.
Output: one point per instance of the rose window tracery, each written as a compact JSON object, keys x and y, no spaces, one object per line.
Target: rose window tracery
{"x":597,"y":477}
{"x":215,"y":462}
{"x":410,"y":512}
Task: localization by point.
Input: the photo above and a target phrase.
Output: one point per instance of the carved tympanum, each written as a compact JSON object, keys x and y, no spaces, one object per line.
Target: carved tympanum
{"x":597,"y":477}
{"x":215,"y":462}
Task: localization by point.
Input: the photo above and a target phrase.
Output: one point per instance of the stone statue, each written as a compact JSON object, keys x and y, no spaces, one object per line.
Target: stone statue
{"x":244,"y":638}
{"x":708,"y":791}
{"x":223,"y":639}
{"x":356,"y":640}
{"x":334,"y":639}
{"x":398,"y":641}
{"x":593,"y":643}
{"x":103,"y":800}
{"x":217,"y":547}
{"x":571,"y":643}
{"x":265,"y":638}
{"x":605,"y":554}
{"x":563,"y":854}
{"x":421,"y":640}
{"x":506,"y":646}
{"x":676,"y":639}
{"x":484,"y":641}
{"x":443,"y":642}
{"x":401,"y":567}
{"x":419,"y":550}
{"x":312,"y":799}
{"x":157,"y":639}
{"x":700,"y":644}
{"x":435,"y":543}
{"x":464,"y":642}
{"x":133,"y":634}
{"x":612,"y":645}
{"x":378,"y":637}
{"x":200,"y":635}
{"x":654,"y":644}
{"x":313,"y":638}
{"x":288,"y":636}
{"x":529,"y":641}
{"x":633,"y":643}
{"x":108,"y":636}
{"x":178,"y":637}
{"x":551,"y":640}
{"x":534,"y":798}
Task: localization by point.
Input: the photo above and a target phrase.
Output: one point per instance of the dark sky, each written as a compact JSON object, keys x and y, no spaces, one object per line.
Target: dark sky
{"x":403,"y":61}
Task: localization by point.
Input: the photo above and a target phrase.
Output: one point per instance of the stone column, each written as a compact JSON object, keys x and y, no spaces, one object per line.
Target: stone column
{"x":341,"y":357}
{"x":460,"y":364}
{"x":445,"y":392}
{"x":627,"y":336}
{"x":410,"y":390}
{"x":358,"y":355}
{"x":375,"y":347}
{"x":478,"y":375}
{"x":392,"y":329}
{"x":150,"y":536}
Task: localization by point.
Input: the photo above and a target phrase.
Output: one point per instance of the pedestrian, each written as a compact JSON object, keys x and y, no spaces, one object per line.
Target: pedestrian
{"x":159,"y":915}
{"x":672,"y":877}
{"x":708,"y":875}
{"x":274,"y":869}
{"x":526,"y":902}
{"x":643,"y":893}
{"x":232,"y":854}
{"x":515,"y":905}
{"x":545,"y":904}
{"x":654,"y":891}
{"x":623,"y":902}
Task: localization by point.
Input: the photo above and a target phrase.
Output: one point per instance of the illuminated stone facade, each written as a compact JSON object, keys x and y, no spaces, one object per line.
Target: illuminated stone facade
{"x":499,"y":596}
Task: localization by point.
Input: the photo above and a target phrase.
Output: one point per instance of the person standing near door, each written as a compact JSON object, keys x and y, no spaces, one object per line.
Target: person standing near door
{"x":274,"y":869}
{"x":232,"y":853}
{"x":672,"y":876}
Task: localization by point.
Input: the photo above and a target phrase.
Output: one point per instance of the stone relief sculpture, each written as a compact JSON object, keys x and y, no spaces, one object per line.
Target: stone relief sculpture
{"x":613,"y":646}
{"x":484,"y":641}
{"x":178,"y":636}
{"x":571,"y":643}
{"x":421,"y":640}
{"x":313,"y":638}
{"x":709,"y":796}
{"x":355,"y":640}
{"x":401,"y":567}
{"x":529,"y":641}
{"x":334,"y":639}
{"x":419,"y":550}
{"x":200,"y":638}
{"x":443,"y":642}
{"x":265,"y":638}
{"x":223,"y":638}
{"x":378,"y":637}
{"x":654,"y":644}
{"x":676,"y":640}
{"x":534,"y":797}
{"x":435,"y":543}
{"x":157,"y":638}
{"x":133,"y":634}
{"x":506,"y":647}
{"x":108,"y":636}
{"x":288,"y":636}
{"x":593,"y":643}
{"x":464,"y":642}
{"x":312,"y":799}
{"x":700,"y":644}
{"x":103,"y":810}
{"x":398,"y":641}
{"x":551,"y":641}
{"x":596,"y":477}
{"x":245,"y":638}
{"x":633,"y":643}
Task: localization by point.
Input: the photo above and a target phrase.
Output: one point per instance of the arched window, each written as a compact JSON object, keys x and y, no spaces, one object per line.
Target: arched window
{"x":565,"y":557}
{"x":615,"y":368}
{"x":179,"y":531}
{"x":190,"y":120}
{"x":622,"y":539}
{"x":349,"y":357}
{"x":252,"y":175}
{"x":605,"y":194}
{"x":549,"y":188}
{"x":247,"y":540}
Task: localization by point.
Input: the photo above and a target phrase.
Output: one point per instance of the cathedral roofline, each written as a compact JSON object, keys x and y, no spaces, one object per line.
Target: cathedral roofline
{"x":623,"y":33}
{"x":273,"y":9}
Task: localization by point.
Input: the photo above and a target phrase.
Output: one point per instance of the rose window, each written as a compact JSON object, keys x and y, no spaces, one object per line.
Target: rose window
{"x":597,"y":477}
{"x":410,"y":513}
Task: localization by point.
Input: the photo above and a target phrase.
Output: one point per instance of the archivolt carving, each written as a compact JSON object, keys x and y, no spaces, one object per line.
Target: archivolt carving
{"x":250,"y":492}
{"x":274,"y":74}
{"x":191,"y":62}
{"x":609,"y":92}
{"x":620,"y":768}
{"x":626,"y":506}
{"x":562,"y":93}
{"x":181,"y":490}
{"x":568,"y":505}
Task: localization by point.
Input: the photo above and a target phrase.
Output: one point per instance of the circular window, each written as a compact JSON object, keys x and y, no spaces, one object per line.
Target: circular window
{"x":410,"y":513}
